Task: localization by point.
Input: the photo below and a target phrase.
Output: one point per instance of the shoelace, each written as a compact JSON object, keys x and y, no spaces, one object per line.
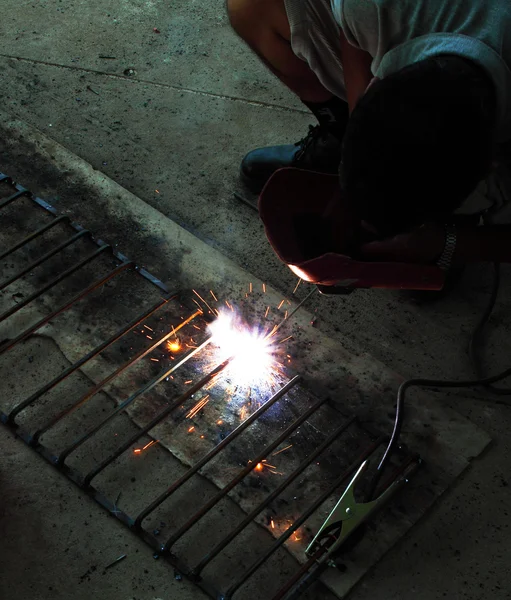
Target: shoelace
{"x":315,"y":131}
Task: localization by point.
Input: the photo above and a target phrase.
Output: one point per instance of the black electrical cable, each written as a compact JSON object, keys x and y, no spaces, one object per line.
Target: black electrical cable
{"x":486,"y":382}
{"x":477,"y":342}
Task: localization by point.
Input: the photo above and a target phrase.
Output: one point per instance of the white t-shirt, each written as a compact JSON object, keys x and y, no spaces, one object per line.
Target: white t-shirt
{"x":397,"y":33}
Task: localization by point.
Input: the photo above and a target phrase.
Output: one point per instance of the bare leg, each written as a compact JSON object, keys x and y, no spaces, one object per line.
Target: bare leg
{"x":264,"y":26}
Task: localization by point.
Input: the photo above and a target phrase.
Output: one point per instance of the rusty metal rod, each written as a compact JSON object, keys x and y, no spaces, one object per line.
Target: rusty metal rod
{"x":89,"y":356}
{"x":91,"y":393}
{"x":285,"y":484}
{"x":210,"y":455}
{"x":178,"y":402}
{"x":14,"y":197}
{"x":241,"y":475}
{"x":14,"y":309}
{"x":304,"y":576}
{"x":300,"y":521}
{"x":145,"y":388}
{"x":46,"y":256}
{"x":33,"y":236}
{"x":94,"y":286}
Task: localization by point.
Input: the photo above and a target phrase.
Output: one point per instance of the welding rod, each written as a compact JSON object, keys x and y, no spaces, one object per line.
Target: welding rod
{"x":274,"y":331}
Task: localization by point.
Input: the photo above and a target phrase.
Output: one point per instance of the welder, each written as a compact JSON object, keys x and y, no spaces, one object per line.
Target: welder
{"x":413,"y":103}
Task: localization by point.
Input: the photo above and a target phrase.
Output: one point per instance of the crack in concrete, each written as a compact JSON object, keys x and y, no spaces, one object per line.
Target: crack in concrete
{"x":157,"y":84}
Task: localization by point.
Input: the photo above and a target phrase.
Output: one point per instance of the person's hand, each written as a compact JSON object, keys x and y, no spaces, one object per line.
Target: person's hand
{"x":423,"y":245}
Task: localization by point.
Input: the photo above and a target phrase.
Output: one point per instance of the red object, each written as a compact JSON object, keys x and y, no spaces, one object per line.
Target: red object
{"x":293,"y":192}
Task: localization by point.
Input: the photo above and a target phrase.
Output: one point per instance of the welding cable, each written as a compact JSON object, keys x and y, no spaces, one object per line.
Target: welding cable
{"x":477,"y":340}
{"x":485,"y":382}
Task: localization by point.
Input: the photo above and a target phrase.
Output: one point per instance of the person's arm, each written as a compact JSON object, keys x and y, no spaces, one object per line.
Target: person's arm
{"x":491,"y":243}
{"x":356,"y":65}
{"x":424,"y":245}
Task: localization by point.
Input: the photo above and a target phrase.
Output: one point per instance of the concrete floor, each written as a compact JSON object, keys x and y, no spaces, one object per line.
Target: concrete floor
{"x":173,"y":133}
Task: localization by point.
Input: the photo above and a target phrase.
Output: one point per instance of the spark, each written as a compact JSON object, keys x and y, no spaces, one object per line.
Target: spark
{"x":214,"y":297}
{"x":283,"y":450}
{"x":198,"y":407}
{"x":280,"y":305}
{"x":174,"y":345}
{"x":272,"y":524}
{"x":147,"y":327}
{"x":228,"y":305}
{"x":201,"y":298}
{"x":259,"y":467}
{"x":151,"y":443}
{"x":188,"y":381}
{"x":266,"y":313}
{"x":268,"y":465}
{"x":219,"y":422}
{"x":243,"y":412}
{"x":250,"y":288}
{"x":200,"y":307}
{"x":264,"y":288}
{"x":148,"y":445}
{"x":297,"y":285}
{"x":286,"y":339}
{"x":201,"y":437}
{"x":155,"y":360}
{"x":192,"y":428}
{"x":149,"y":337}
{"x":285,"y":315}
{"x":197,"y":327}
{"x":157,"y":191}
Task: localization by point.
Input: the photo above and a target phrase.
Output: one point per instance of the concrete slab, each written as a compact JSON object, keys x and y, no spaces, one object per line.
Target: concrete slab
{"x":194,"y":49}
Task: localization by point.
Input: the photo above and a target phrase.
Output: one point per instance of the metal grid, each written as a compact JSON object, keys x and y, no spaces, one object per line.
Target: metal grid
{"x":84,"y":479}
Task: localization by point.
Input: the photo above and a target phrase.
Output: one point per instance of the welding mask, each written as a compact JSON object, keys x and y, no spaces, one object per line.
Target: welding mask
{"x":295,"y":207}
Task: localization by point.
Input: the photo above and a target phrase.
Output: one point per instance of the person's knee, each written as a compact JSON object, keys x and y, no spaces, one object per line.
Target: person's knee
{"x":242,"y":14}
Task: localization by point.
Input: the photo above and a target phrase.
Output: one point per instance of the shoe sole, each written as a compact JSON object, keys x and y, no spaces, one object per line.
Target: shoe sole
{"x":254,"y":185}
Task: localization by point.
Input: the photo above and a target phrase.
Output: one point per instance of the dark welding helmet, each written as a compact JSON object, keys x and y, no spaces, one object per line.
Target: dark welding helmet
{"x":292,"y":207}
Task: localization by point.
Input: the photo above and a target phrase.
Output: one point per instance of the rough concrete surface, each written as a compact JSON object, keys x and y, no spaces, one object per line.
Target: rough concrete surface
{"x":179,"y":125}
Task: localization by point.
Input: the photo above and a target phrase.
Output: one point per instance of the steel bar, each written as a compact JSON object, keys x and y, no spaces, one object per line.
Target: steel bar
{"x":285,"y":484}
{"x":145,"y":388}
{"x":300,"y":521}
{"x":14,"y":197}
{"x":46,"y":256}
{"x":303,"y":578}
{"x":94,"y":286}
{"x":33,"y":236}
{"x":178,"y":402}
{"x":14,"y":309}
{"x":86,"y":358}
{"x":241,"y":475}
{"x":132,"y":361}
{"x":210,"y":455}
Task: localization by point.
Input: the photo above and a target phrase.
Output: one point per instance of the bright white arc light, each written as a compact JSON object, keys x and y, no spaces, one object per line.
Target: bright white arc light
{"x":251,"y":350}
